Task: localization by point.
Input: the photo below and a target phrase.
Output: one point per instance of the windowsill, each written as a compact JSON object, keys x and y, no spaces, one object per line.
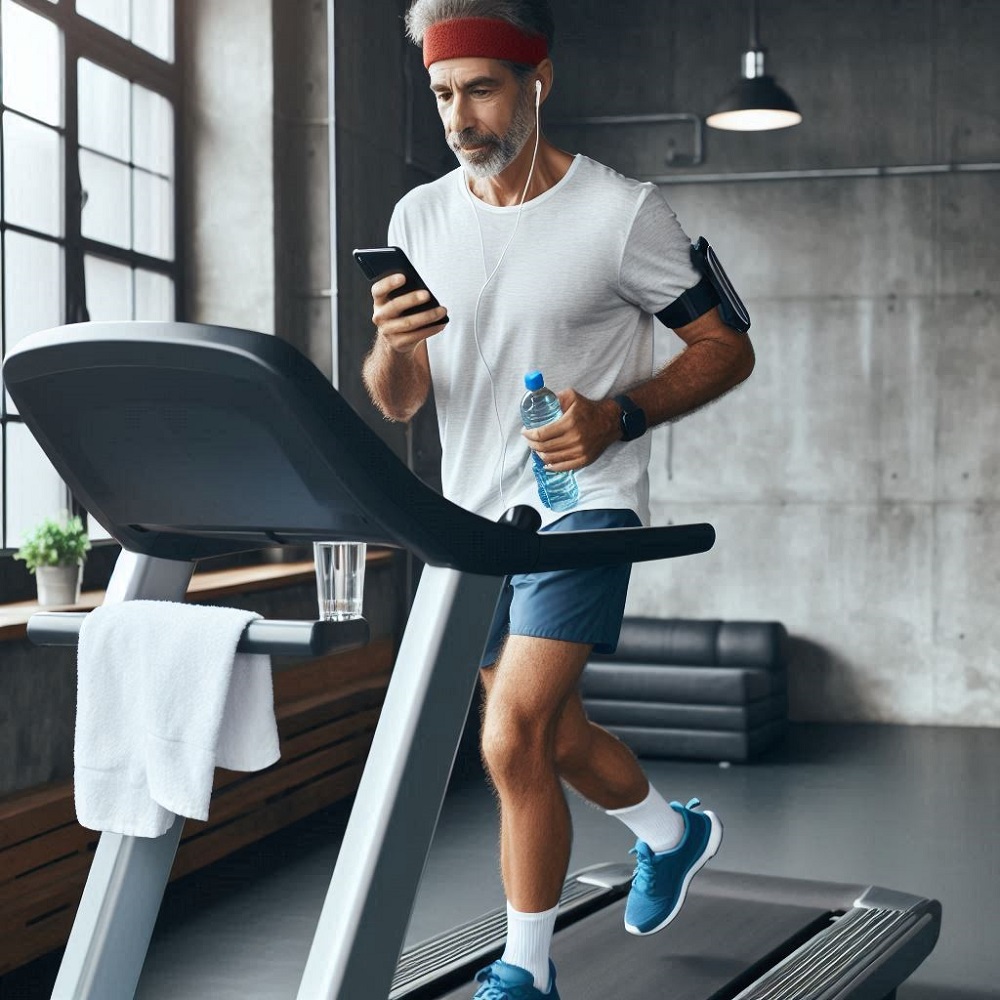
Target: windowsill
{"x":204,"y":586}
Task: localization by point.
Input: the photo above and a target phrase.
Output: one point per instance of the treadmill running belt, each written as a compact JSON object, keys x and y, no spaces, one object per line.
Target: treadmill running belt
{"x":713,"y":950}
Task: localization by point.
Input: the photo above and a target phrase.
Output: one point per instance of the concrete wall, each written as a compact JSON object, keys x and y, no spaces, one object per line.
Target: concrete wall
{"x":301,"y":162}
{"x":228,"y":177}
{"x":855,"y":480}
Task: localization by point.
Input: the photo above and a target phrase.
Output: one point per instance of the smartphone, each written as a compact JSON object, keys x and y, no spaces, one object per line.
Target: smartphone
{"x":380,"y":262}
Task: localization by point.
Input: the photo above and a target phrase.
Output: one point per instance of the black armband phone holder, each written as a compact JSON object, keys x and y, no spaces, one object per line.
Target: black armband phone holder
{"x":734,"y":312}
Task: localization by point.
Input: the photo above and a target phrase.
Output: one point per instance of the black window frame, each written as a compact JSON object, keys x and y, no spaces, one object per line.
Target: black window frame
{"x":85,"y":39}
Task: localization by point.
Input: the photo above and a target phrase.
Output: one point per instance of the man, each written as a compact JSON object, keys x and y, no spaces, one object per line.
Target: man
{"x":551,"y":261}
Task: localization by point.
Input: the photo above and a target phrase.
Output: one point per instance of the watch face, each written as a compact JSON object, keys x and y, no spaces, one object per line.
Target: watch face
{"x":633,"y":423}
{"x":633,"y":418}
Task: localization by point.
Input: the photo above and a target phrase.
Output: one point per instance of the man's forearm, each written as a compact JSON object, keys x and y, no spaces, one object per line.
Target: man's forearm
{"x":701,"y":373}
{"x":714,"y":361}
{"x":397,"y":384}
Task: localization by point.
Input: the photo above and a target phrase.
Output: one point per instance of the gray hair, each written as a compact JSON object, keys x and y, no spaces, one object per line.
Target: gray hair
{"x":533,"y":16}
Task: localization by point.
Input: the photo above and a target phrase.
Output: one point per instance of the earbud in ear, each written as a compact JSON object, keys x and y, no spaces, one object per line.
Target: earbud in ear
{"x":538,"y":92}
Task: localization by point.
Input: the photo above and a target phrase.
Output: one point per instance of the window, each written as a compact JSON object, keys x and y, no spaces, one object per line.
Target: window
{"x":88,"y":169}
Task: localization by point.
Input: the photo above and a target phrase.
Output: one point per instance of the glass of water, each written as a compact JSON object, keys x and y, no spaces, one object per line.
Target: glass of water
{"x":340,"y":579}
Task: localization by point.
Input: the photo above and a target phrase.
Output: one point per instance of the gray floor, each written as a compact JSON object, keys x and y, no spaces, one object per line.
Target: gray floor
{"x":916,"y":809}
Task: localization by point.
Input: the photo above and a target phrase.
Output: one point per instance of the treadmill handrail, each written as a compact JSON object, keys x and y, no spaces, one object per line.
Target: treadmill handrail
{"x":271,"y":636}
{"x":184,"y":418}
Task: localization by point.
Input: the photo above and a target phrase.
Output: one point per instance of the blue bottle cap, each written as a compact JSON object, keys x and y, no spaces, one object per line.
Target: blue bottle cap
{"x":533,"y":381}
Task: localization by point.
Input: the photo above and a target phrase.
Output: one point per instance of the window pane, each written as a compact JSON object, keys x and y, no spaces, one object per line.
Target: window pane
{"x":34,"y":489}
{"x":109,"y":289}
{"x":154,"y":296}
{"x":104,"y":112}
{"x":112,"y":14}
{"x":153,"y":26}
{"x":154,"y":215}
{"x":32,"y":64}
{"x":106,"y":212}
{"x":33,"y":177}
{"x":95,"y":531}
{"x":33,"y":278}
{"x":152,"y":131}
{"x":5,"y":345}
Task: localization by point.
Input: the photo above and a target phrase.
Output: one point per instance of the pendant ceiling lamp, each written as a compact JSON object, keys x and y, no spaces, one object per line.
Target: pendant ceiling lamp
{"x":756,"y":103}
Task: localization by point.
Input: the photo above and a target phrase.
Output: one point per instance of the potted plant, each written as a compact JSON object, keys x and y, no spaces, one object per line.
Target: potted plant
{"x":54,"y":552}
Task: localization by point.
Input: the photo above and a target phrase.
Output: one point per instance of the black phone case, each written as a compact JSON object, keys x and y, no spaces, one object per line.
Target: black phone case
{"x":734,"y":312}
{"x":380,"y":262}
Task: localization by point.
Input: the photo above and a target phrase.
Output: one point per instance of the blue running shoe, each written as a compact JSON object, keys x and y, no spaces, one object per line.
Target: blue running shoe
{"x":510,"y":982}
{"x":660,"y":881}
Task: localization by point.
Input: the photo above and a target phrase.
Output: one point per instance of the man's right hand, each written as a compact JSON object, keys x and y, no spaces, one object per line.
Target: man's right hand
{"x":403,"y":333}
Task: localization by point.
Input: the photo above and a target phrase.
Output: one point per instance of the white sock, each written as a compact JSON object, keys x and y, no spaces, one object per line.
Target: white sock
{"x":529,"y":936}
{"x":653,"y":821}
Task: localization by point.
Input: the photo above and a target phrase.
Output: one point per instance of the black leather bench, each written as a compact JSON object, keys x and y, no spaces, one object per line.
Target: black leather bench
{"x":707,"y":690}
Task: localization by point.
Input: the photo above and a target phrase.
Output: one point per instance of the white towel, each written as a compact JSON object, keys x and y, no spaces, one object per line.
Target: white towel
{"x":162,"y":698}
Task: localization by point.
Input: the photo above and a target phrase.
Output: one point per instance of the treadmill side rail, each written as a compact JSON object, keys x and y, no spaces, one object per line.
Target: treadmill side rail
{"x":606,"y":876}
{"x":877,"y":898}
{"x":879,"y":978}
{"x":861,"y":955}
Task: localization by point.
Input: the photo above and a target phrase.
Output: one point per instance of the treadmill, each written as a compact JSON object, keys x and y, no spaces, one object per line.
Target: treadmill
{"x":188,"y":441}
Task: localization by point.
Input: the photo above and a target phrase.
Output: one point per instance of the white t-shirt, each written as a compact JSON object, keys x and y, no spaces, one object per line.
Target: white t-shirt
{"x":593,"y":260}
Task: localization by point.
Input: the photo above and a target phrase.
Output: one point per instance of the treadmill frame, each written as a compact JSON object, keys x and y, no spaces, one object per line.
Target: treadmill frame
{"x":144,"y":385}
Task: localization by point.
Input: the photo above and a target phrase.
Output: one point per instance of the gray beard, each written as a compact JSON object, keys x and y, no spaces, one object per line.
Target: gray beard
{"x":498,"y":152}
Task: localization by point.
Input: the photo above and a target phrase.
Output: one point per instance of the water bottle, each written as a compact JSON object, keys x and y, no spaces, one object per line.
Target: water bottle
{"x":540,"y":406}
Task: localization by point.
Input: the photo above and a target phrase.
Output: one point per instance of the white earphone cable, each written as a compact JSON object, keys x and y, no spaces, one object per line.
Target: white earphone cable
{"x":492,"y":274}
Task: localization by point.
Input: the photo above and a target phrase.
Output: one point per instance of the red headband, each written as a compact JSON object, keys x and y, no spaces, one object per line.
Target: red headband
{"x":483,"y":37}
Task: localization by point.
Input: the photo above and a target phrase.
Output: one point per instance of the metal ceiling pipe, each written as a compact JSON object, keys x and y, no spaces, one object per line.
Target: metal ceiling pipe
{"x":906,"y":170}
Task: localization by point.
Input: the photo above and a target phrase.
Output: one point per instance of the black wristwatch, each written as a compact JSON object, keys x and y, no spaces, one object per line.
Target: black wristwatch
{"x":632,"y":420}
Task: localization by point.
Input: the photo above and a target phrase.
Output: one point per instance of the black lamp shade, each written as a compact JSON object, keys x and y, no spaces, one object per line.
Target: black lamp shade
{"x":755,"y":105}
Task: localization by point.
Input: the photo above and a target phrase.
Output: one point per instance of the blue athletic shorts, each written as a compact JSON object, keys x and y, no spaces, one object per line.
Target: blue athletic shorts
{"x":576,"y":605}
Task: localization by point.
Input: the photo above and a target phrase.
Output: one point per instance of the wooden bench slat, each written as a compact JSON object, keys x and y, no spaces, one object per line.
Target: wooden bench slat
{"x":216,"y":844}
{"x":43,"y":890}
{"x":27,"y":814}
{"x":339,"y":703}
{"x":328,"y":674}
{"x":263,"y":784}
{"x":44,"y":850}
{"x":246,"y":798}
{"x":331,"y":732}
{"x":28,"y":943}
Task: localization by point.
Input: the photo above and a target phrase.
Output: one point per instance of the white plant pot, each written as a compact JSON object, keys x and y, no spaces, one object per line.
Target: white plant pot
{"x":58,"y":585}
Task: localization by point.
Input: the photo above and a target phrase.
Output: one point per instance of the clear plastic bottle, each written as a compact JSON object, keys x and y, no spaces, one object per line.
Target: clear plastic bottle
{"x":540,"y":406}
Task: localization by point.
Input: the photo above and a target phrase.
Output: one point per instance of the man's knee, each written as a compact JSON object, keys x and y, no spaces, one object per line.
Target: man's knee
{"x":526,"y":694}
{"x":514,"y":741}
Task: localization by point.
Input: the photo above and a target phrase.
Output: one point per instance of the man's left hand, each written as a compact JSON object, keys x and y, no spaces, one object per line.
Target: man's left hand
{"x":580,"y":436}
